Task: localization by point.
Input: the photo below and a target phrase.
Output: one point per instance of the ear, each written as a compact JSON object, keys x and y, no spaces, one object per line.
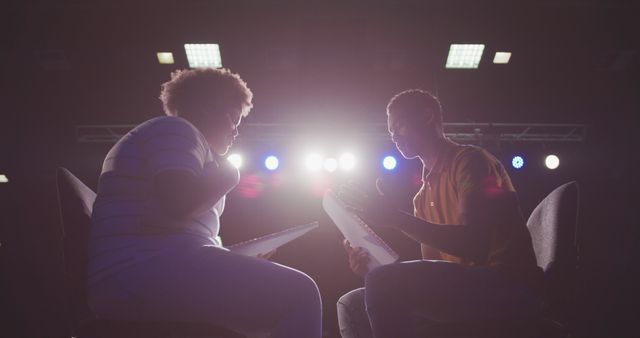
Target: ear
{"x":431,"y":117}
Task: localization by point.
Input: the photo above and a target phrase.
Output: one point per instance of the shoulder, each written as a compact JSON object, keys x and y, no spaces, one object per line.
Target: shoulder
{"x":167,"y":127}
{"x":470,"y":158}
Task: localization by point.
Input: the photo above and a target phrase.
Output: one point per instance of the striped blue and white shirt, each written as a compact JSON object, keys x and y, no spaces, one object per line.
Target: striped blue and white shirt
{"x":128,"y":226}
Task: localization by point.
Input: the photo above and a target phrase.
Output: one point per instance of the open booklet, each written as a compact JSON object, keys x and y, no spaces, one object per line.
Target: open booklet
{"x":268,"y":243}
{"x":358,"y":233}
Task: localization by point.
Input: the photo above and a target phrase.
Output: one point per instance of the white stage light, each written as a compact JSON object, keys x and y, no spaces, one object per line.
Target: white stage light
{"x":165,"y":58}
{"x":347,"y":161}
{"x":4,"y":178}
{"x":203,"y":55}
{"x":330,"y":164}
{"x":236,"y":160}
{"x":464,"y":56}
{"x":552,"y":162}
{"x":313,"y":162}
{"x":389,"y":162}
{"x":271,"y":163}
{"x":502,"y":58}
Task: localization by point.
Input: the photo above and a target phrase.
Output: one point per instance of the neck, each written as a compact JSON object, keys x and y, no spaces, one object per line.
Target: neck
{"x":431,"y":150}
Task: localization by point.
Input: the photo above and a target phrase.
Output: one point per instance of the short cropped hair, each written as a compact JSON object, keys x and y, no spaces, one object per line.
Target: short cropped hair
{"x":416,"y":103}
{"x":196,"y":91}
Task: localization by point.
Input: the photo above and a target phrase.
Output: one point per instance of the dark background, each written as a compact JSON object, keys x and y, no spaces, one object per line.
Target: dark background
{"x":329,"y":67}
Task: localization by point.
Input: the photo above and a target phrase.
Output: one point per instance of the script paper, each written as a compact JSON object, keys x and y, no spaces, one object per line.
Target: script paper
{"x":357,"y":232}
{"x":268,"y":243}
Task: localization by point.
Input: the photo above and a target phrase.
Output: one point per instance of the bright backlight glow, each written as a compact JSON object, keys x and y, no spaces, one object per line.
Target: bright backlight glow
{"x":236,"y":160}
{"x":502,"y":58}
{"x":347,"y":161}
{"x":313,"y":162}
{"x":552,"y":162}
{"x":330,"y":164}
{"x":389,"y":162}
{"x":464,"y":55}
{"x":165,"y":58}
{"x":517,"y":162}
{"x":271,"y":163}
{"x":203,"y":55}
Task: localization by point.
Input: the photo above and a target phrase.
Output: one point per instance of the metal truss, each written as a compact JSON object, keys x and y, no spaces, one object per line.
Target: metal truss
{"x":464,"y":132}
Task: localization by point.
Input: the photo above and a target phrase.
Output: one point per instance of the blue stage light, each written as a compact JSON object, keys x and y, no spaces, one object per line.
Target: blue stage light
{"x":389,"y":162}
{"x":517,"y":162}
{"x":271,"y":162}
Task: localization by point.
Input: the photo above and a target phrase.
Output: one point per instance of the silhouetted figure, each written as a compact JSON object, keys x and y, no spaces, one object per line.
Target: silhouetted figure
{"x":478,"y":259}
{"x":154,"y":248}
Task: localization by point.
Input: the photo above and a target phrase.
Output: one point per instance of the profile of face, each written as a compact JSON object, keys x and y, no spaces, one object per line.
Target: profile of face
{"x":404,"y":135}
{"x":221,"y":129}
{"x":408,"y":134}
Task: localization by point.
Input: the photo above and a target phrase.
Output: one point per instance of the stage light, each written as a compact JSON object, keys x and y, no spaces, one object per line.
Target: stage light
{"x":502,"y":57}
{"x":330,"y":164}
{"x":4,"y":178}
{"x":236,"y":160}
{"x":165,"y":58}
{"x":552,"y":161}
{"x":464,"y":56}
{"x":313,"y":162}
{"x":347,"y":161}
{"x":517,"y":162}
{"x":203,"y":55}
{"x":389,"y":163}
{"x":271,"y":162}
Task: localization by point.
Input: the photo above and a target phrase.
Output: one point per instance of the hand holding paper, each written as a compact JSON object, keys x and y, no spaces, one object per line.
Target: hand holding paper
{"x":357,"y":232}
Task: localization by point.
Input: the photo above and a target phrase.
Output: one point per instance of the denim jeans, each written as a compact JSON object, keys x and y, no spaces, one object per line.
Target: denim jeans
{"x":398,"y":297}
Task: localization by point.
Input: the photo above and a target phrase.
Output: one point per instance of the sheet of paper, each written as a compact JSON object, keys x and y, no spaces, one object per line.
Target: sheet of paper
{"x":268,"y":243}
{"x":357,"y":232}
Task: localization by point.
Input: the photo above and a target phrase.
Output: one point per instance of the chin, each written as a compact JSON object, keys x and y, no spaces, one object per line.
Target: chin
{"x":407,"y":154}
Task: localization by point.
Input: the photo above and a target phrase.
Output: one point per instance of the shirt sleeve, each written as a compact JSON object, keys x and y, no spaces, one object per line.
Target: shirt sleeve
{"x":177,"y":146}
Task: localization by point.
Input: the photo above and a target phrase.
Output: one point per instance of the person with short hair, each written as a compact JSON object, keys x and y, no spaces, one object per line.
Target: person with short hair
{"x":477,"y":261}
{"x":154,"y":249}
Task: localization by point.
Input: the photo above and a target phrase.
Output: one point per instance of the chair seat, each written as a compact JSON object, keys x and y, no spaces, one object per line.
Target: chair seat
{"x":103,"y":328}
{"x":534,"y":328}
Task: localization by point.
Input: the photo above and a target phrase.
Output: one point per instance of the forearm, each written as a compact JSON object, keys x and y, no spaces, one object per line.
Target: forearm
{"x":206,"y":191}
{"x":182,"y":194}
{"x":457,"y":240}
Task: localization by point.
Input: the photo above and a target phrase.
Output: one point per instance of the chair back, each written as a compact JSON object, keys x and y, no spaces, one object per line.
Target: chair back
{"x":76,"y":205}
{"x":553,"y":226}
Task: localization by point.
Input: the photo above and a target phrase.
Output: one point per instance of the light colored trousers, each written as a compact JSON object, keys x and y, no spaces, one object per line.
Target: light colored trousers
{"x":208,"y":284}
{"x":397,"y":298}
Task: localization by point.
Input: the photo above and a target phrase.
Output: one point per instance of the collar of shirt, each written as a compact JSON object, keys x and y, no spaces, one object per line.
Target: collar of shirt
{"x":443,"y":161}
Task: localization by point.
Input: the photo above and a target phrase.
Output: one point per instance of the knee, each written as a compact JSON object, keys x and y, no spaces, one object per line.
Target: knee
{"x":381,"y":278}
{"x":302,"y":288}
{"x":351,"y":301}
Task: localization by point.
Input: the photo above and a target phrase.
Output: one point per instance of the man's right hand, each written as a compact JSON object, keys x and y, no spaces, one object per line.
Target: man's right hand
{"x":358,"y":259}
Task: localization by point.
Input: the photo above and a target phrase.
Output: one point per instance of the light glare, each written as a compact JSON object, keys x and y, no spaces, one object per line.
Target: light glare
{"x":347,"y":161}
{"x":4,"y":178}
{"x":517,"y":162}
{"x":165,"y":58}
{"x":552,"y":162}
{"x":236,"y":160}
{"x":203,"y":55}
{"x":271,"y":163}
{"x":389,"y":163}
{"x":313,"y":162}
{"x":330,"y":164}
{"x":464,"y":56}
{"x":502,"y":57}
